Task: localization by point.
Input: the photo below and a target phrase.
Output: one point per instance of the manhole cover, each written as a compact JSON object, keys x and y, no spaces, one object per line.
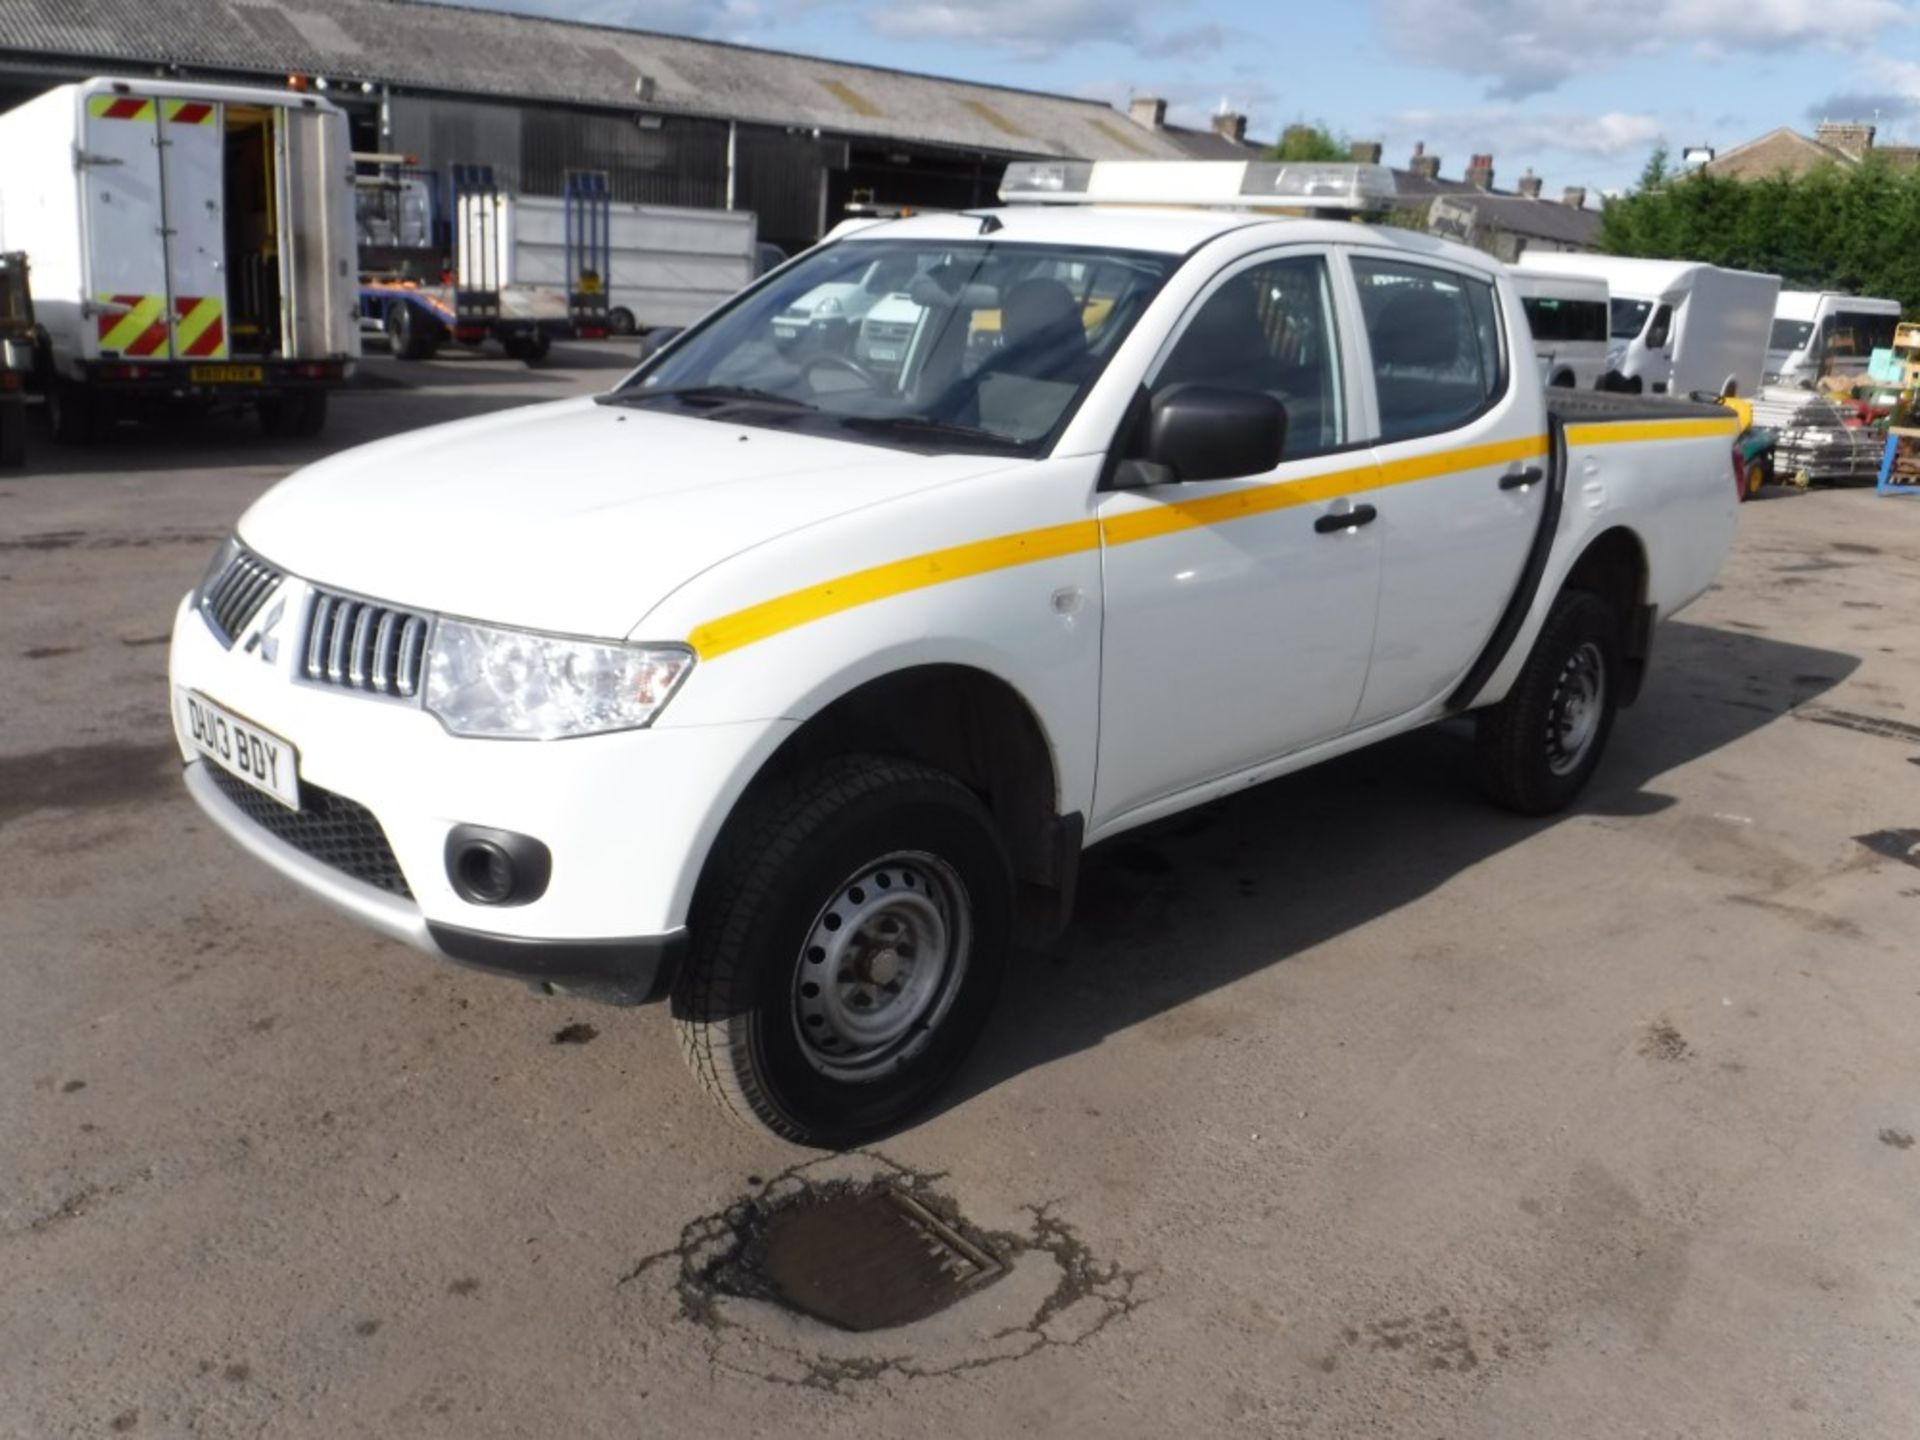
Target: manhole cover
{"x":870,"y":1259}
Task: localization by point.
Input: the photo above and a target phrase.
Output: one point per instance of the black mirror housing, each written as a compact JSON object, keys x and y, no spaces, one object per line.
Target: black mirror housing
{"x":1207,"y":432}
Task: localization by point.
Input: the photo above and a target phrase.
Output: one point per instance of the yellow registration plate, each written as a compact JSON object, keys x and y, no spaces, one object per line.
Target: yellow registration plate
{"x":228,"y":374}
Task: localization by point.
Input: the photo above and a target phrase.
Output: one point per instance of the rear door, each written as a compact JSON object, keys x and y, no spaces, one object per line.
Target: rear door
{"x":1461,"y":449}
{"x":192,"y":156}
{"x":125,"y":225}
{"x":319,"y":257}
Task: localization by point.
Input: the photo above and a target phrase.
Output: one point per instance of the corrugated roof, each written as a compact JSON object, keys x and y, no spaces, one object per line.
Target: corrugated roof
{"x":424,"y":46}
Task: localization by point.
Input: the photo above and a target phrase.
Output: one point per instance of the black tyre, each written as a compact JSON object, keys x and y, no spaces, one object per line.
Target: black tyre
{"x":620,"y":322}
{"x":1538,"y":748}
{"x":410,"y":335}
{"x":847,"y":950}
{"x":312,"y":417}
{"x":13,"y":434}
{"x":534,"y":347}
{"x":72,"y":416}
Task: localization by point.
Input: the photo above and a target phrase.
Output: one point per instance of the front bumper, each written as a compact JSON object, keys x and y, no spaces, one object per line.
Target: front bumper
{"x":628,"y":818}
{"x":628,"y":971}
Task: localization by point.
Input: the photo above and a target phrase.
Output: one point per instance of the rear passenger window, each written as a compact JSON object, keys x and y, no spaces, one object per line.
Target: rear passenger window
{"x":1435,"y":335}
{"x":1270,"y":329}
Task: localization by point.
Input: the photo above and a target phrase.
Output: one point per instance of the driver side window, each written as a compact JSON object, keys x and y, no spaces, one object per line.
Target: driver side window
{"x":1270,"y":330}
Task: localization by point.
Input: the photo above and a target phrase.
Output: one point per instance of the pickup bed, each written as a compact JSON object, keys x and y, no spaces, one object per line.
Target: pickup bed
{"x":789,"y":680}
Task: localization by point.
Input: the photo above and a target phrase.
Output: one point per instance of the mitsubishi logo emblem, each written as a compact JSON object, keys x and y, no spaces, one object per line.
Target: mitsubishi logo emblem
{"x":264,"y":639}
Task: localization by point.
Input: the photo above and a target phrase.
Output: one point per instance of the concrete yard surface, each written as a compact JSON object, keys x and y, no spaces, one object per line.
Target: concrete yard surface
{"x":1351,"y":1107}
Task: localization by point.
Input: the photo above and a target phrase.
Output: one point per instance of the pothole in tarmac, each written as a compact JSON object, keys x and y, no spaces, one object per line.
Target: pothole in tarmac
{"x":853,"y":1269}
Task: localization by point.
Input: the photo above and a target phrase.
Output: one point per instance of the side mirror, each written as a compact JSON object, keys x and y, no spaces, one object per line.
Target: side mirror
{"x":1205,"y":432}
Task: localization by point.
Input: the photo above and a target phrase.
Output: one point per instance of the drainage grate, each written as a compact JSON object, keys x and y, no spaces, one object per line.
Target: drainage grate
{"x":870,"y":1259}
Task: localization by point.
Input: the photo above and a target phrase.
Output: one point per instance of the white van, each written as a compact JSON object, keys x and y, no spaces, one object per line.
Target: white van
{"x":1822,"y":332}
{"x":1679,"y":327}
{"x":1570,"y":320}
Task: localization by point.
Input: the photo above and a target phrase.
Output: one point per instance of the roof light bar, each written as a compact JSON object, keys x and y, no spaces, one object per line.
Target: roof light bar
{"x":1206,"y":184}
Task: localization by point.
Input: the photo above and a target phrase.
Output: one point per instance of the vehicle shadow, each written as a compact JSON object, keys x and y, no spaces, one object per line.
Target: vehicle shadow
{"x":1182,"y":908}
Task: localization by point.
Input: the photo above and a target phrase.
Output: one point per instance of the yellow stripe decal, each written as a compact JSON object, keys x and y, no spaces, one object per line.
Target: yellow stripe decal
{"x":1627,"y":432}
{"x":127,"y":328}
{"x":937,"y":567}
{"x":191,"y":327}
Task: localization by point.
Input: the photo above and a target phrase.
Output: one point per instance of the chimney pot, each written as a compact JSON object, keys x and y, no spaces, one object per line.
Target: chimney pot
{"x":1574,"y":197}
{"x":1367,"y":152}
{"x":1232,"y":125}
{"x":1530,"y":185}
{"x":1147,"y":110}
{"x":1480,"y":172}
{"x":1426,"y":166}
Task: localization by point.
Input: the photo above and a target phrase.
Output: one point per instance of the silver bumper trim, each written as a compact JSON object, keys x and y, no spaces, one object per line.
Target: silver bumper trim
{"x":390,"y":915}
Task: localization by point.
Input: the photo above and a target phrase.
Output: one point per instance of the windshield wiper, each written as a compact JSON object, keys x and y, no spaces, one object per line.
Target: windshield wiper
{"x":917,"y":427}
{"x":711,"y":397}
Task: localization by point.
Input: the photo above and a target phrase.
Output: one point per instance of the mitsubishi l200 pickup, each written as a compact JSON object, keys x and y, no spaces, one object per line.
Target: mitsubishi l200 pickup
{"x":789,"y":688}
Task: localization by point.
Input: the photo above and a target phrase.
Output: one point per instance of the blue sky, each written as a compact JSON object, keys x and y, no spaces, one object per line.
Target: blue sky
{"x":1579,"y":91}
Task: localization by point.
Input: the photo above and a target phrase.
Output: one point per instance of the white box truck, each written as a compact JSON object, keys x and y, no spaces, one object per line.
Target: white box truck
{"x":1821,"y":332}
{"x":661,"y":265}
{"x":1679,"y":327}
{"x":191,"y":244}
{"x":1569,"y":316}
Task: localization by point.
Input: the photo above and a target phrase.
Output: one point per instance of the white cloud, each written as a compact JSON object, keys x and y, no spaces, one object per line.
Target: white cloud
{"x":1032,"y":29}
{"x":672,"y":17}
{"x":1528,"y":47}
{"x":1506,"y":129}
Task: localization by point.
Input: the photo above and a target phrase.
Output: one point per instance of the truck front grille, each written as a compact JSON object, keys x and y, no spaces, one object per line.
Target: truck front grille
{"x":330,"y":828}
{"x":360,"y":645}
{"x":235,"y":589}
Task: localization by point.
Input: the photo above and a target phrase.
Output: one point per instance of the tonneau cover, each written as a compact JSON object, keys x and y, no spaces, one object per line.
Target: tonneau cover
{"x":1590,"y":407}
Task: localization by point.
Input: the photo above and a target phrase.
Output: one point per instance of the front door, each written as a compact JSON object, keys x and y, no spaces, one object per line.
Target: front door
{"x":1462,"y":455}
{"x":1239,"y":614}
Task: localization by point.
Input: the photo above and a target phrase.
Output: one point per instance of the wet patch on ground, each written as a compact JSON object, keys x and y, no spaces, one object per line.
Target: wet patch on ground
{"x":84,"y":777}
{"x":49,"y":652}
{"x":1897,"y":1139}
{"x":1901,"y":845}
{"x":853,"y":1269}
{"x":1875,"y":725}
{"x":1663,"y":1042}
{"x":578,"y":1033}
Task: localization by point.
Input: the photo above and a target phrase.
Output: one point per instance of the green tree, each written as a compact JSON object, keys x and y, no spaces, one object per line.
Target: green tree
{"x":1303,"y":142}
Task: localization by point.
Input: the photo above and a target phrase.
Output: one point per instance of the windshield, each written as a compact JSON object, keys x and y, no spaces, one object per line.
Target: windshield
{"x":923,"y":343}
{"x":1629,"y":317}
{"x":1790,"y":334}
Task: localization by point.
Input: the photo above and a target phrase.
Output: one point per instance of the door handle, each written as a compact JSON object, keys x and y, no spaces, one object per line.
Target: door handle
{"x":1342,"y":520}
{"x":1521,"y":479}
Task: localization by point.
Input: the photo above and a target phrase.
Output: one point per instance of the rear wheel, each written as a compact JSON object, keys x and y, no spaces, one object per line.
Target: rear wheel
{"x":298,"y":416}
{"x":72,"y":415}
{"x":411,"y":335}
{"x":847,"y":950}
{"x":531,"y":348}
{"x":13,"y":433}
{"x":621,"y":322}
{"x":1539,"y":747}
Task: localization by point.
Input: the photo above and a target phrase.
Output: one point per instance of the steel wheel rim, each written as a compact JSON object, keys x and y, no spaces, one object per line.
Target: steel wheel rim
{"x":881,"y":965}
{"x":1578,"y":705}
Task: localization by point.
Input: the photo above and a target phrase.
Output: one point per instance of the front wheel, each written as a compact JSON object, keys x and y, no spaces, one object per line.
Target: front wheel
{"x":1537,"y":749}
{"x":847,"y":950}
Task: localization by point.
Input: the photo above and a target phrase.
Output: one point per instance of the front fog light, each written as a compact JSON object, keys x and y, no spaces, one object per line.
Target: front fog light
{"x":515,"y":685}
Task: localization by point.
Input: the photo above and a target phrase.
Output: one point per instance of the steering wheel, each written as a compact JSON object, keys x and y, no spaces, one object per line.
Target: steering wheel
{"x":833,"y":360}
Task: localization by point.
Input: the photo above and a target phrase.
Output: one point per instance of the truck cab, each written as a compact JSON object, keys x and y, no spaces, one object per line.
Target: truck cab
{"x":793,"y":688}
{"x":1821,"y":333}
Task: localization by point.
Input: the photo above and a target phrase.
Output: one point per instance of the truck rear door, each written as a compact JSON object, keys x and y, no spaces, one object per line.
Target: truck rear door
{"x":125,"y":224}
{"x":193,"y":185}
{"x":319,"y":261}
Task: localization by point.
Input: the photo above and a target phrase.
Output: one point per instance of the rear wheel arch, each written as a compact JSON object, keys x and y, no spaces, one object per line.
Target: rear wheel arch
{"x":1614,"y":567}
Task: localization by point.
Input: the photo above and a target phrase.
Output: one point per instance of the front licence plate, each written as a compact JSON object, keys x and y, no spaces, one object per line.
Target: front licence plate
{"x":245,"y":751}
{"x":228,"y":374}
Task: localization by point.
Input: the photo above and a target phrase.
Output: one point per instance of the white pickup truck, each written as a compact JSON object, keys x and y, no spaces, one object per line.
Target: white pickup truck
{"x":794,"y":689}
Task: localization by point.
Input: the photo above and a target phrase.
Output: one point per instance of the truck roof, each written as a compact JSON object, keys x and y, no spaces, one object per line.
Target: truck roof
{"x":1162,"y":230}
{"x":1629,"y":276}
{"x":1805,"y":304}
{"x":150,"y":88}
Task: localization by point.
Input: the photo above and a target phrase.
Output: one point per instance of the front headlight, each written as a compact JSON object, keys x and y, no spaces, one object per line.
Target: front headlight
{"x":514,"y":685}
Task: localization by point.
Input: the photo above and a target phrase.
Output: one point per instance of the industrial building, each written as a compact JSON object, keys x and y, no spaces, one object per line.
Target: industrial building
{"x":669,"y":120}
